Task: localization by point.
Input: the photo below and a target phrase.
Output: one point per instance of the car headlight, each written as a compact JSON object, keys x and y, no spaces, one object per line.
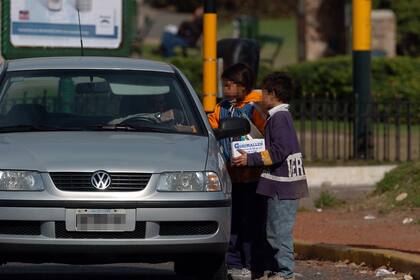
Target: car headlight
{"x":21,"y":181}
{"x":189,"y":182}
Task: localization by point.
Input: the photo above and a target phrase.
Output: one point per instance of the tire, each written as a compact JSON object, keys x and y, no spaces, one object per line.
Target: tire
{"x":210,"y":267}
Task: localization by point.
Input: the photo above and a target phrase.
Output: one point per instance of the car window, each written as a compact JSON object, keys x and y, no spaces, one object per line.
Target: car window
{"x":92,"y":99}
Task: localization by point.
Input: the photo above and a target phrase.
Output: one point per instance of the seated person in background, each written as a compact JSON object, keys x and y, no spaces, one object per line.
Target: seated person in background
{"x":187,"y":34}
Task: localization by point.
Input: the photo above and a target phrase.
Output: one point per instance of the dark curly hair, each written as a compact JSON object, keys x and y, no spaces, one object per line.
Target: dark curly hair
{"x":281,"y":84}
{"x":241,"y":74}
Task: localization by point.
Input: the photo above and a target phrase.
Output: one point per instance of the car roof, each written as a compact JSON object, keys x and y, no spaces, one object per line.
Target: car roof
{"x":87,"y":63}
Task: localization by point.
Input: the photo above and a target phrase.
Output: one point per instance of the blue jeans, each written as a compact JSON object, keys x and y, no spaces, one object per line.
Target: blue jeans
{"x":274,"y":250}
{"x":169,"y":42}
{"x":281,"y":216}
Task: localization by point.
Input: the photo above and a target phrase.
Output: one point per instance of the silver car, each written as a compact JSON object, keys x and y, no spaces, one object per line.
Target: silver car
{"x":111,"y":160}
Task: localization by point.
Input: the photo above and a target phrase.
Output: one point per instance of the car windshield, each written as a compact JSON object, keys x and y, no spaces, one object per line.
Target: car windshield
{"x":96,"y":100}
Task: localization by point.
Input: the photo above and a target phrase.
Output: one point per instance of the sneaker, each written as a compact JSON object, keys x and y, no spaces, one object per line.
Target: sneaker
{"x":246,"y":273}
{"x":236,"y":273}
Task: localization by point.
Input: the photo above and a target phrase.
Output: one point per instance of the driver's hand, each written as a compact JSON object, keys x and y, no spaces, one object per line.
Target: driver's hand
{"x":167,"y":116}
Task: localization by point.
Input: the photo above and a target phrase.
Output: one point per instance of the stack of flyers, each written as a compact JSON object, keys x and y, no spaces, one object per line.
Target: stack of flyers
{"x":248,"y":146}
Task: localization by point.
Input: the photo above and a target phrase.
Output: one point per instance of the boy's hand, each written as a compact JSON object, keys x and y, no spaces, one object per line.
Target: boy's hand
{"x":242,"y":160}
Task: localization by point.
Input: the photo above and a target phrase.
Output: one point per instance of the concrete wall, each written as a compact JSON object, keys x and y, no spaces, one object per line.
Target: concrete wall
{"x":384,"y":32}
{"x":345,"y":177}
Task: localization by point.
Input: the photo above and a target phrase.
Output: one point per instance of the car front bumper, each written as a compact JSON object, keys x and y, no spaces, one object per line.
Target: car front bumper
{"x":35,"y":231}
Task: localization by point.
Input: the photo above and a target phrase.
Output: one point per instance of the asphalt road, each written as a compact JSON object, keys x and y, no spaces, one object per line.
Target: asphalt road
{"x":305,"y":270}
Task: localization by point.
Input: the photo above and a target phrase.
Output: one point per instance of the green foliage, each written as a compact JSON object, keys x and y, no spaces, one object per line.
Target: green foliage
{"x":193,"y":70}
{"x":327,"y":200}
{"x":396,"y":76}
{"x":408,"y":20}
{"x":393,"y":178}
{"x":391,"y":77}
{"x":404,"y":178}
{"x":263,"y":71}
{"x":331,"y":75}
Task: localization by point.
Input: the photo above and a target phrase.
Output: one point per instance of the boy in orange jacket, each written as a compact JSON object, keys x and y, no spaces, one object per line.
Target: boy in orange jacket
{"x":240,"y":100}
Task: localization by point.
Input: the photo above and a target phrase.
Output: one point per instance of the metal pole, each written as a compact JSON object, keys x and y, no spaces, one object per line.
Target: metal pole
{"x":362,"y":76}
{"x":209,"y":55}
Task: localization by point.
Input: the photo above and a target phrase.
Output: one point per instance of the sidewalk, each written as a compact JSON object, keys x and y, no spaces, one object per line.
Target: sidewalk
{"x":351,"y":228}
{"x":354,"y":224}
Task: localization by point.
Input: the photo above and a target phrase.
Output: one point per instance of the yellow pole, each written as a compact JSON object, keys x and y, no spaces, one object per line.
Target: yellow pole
{"x":209,"y":56}
{"x":362,"y":25}
{"x":363,"y":144}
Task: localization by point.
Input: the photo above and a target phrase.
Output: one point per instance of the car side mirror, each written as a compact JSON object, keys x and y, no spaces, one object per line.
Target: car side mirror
{"x":232,"y":127}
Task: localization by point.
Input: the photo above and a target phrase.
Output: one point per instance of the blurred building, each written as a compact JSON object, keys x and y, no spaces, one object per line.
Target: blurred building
{"x":324,"y":29}
{"x":321,"y":28}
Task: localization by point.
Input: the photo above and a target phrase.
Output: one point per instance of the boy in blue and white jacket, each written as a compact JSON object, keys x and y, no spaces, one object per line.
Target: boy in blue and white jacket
{"x":281,"y":185}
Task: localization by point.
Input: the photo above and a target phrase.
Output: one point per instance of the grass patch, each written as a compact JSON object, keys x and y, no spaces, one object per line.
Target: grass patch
{"x":327,"y":200}
{"x":403,"y":179}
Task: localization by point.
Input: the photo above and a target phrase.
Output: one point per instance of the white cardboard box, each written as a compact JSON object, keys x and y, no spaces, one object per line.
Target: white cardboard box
{"x":249,"y":146}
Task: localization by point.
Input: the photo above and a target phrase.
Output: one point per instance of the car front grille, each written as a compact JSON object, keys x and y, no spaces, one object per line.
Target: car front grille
{"x":20,"y":227}
{"x":81,"y":181}
{"x":187,"y":228}
{"x":62,"y":233}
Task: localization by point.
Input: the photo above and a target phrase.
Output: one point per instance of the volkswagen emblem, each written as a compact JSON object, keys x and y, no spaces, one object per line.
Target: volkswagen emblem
{"x":101,"y":180}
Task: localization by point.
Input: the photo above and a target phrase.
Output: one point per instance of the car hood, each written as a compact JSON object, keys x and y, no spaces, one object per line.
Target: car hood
{"x":109,"y":151}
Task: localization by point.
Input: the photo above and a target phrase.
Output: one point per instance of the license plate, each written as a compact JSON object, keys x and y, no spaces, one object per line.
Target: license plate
{"x":102,"y":220}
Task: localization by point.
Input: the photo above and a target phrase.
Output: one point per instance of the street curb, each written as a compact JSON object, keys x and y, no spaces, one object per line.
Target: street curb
{"x":346,"y":176}
{"x":401,"y":262}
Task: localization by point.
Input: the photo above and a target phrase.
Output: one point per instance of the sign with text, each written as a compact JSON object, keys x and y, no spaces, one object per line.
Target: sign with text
{"x":54,"y":23}
{"x":248,"y":146}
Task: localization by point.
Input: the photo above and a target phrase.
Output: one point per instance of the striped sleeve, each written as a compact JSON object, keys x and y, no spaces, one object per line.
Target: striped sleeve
{"x":260,"y":159}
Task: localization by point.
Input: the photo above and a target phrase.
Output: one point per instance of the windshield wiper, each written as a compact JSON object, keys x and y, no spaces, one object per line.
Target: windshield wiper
{"x":122,"y":127}
{"x":130,"y":127}
{"x":28,"y":128}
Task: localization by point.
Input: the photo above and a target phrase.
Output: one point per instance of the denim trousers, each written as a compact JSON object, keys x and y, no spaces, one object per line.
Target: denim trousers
{"x":169,"y":42}
{"x":273,"y":251}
